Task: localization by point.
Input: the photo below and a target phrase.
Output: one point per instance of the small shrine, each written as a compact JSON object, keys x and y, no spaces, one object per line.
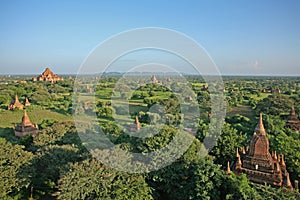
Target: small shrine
{"x":15,"y":104}
{"x":293,"y":122}
{"x":27,"y":103}
{"x":26,"y":127}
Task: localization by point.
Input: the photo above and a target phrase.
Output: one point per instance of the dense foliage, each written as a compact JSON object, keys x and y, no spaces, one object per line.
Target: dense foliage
{"x":56,"y":165}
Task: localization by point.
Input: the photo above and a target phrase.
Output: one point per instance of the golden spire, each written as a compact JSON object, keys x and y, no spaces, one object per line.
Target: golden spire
{"x":16,"y":100}
{"x":228,"y":167}
{"x":288,"y":181}
{"x":27,"y":103}
{"x":239,"y":163}
{"x":277,"y":167}
{"x":275,"y":155}
{"x":137,"y":123}
{"x":282,"y":160}
{"x":243,"y":150}
{"x":25,"y":120}
{"x":237,"y":153}
{"x":260,"y":126}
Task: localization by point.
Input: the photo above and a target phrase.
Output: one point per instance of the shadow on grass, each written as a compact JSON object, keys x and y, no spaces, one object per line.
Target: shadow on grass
{"x":9,"y":135}
{"x":64,"y":112}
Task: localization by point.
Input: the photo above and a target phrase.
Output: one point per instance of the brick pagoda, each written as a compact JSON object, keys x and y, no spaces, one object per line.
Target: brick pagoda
{"x":15,"y":104}
{"x":293,"y":122}
{"x":26,"y":127}
{"x":258,"y":164}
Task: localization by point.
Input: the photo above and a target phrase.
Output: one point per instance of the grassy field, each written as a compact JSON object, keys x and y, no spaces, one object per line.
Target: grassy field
{"x":9,"y":118}
{"x":241,"y":110}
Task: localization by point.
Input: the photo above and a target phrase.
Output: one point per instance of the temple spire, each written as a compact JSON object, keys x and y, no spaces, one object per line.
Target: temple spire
{"x":260,"y":129}
{"x":278,"y":167}
{"x":293,"y":112}
{"x":237,"y":153}
{"x":282,"y":160}
{"x":288,"y":181}
{"x":27,"y":103}
{"x":137,"y":123}
{"x":243,"y":150}
{"x":228,"y":168}
{"x":16,"y":98}
{"x":15,"y":104}
{"x":25,"y":120}
{"x":239,"y":163}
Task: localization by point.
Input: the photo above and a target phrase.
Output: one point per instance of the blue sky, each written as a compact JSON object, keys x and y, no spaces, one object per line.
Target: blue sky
{"x":243,"y":37}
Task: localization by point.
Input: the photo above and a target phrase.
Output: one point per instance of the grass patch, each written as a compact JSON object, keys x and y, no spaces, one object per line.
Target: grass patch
{"x":241,"y":110}
{"x":8,"y":119}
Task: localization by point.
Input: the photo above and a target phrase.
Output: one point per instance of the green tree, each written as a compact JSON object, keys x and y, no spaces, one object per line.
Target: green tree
{"x":238,"y":187}
{"x":227,"y":143}
{"x":190,"y":177}
{"x":15,"y":171}
{"x":92,"y":180}
{"x":49,"y":163}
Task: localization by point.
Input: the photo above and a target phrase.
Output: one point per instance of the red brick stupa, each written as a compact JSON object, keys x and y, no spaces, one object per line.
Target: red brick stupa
{"x":293,"y":122}
{"x":26,"y":127}
{"x":15,"y":104}
{"x":258,"y":164}
{"x":27,"y":103}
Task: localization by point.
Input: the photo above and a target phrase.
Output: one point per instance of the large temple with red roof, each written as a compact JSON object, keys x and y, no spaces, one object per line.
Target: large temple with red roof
{"x":48,"y":75}
{"x":259,"y":164}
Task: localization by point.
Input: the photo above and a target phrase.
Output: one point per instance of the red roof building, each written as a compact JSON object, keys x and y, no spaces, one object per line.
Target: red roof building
{"x":48,"y":75}
{"x":258,"y":164}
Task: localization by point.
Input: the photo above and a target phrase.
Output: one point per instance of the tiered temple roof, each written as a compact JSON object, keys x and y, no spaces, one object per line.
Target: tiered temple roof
{"x":26,"y":126}
{"x":293,"y":122}
{"x":258,"y":164}
{"x":48,"y":75}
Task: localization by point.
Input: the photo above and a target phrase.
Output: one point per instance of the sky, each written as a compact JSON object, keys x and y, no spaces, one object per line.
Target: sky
{"x":258,"y":37}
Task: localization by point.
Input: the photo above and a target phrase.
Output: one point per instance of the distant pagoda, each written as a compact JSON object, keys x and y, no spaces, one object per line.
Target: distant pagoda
{"x":154,"y":79}
{"x":27,"y":103}
{"x":48,"y":75}
{"x":258,"y":164}
{"x":136,"y":126}
{"x":293,"y":122}
{"x":26,"y":127}
{"x":15,"y":104}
